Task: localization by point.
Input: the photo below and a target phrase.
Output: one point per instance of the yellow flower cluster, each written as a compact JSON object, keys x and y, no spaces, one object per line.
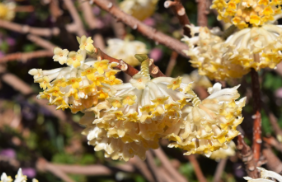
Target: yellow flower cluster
{"x":140,"y":9}
{"x":79,"y":85}
{"x":137,"y":114}
{"x":198,"y":80}
{"x":265,"y":176}
{"x":244,"y":13}
{"x":257,"y":47}
{"x":7,"y":10}
{"x":125,"y":50}
{"x":209,"y":53}
{"x":223,"y":153}
{"x":18,"y":178}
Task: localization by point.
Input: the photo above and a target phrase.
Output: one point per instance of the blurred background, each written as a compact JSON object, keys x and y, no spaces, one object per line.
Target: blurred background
{"x":47,"y":143}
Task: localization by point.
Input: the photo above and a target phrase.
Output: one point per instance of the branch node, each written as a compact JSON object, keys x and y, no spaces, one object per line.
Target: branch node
{"x":155,"y":70}
{"x":167,"y":4}
{"x":123,"y":65}
{"x":110,"y":5}
{"x":26,"y":28}
{"x":135,"y":27}
{"x":181,"y":12}
{"x":151,"y":61}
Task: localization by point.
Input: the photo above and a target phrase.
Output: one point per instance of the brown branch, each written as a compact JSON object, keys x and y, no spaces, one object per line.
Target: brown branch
{"x":273,"y":121}
{"x":168,"y":166}
{"x":257,"y":117}
{"x":202,"y":13}
{"x":55,"y":10}
{"x":47,"y":32}
{"x":180,"y":12}
{"x":25,"y":56}
{"x":152,"y":166}
{"x":247,"y":157}
{"x":147,"y":31}
{"x":273,"y":162}
{"x":197,"y":168}
{"x":219,"y":169}
{"x":41,"y":42}
{"x":24,"y":8}
{"x":141,"y":166}
{"x":273,"y":142}
{"x":171,"y":63}
{"x":91,"y":21}
{"x":77,"y":21}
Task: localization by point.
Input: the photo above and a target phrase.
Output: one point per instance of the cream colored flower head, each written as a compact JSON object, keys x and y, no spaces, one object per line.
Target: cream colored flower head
{"x":140,"y":9}
{"x":210,"y":54}
{"x":136,"y":114}
{"x":244,"y":13}
{"x":198,"y":80}
{"x":210,"y":124}
{"x":257,"y":47}
{"x":125,"y":50}
{"x":265,"y":176}
{"x":7,"y":10}
{"x":77,"y":86}
{"x":18,"y":178}
{"x":223,"y":153}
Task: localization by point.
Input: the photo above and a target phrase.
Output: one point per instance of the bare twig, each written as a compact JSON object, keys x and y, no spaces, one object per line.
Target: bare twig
{"x":197,"y":168}
{"x":180,"y":12}
{"x":167,"y":165}
{"x":27,"y":29}
{"x":149,"y":32}
{"x":27,"y":8}
{"x":171,"y":63}
{"x":202,"y":13}
{"x":273,"y":121}
{"x":257,"y":117}
{"x":152,"y":166}
{"x":141,"y":166}
{"x":273,"y":162}
{"x":77,"y":21}
{"x":219,"y":169}
{"x":247,"y":157}
{"x":55,"y":9}
{"x":41,"y":42}
{"x":273,"y":142}
{"x":26,"y":56}
{"x":91,"y":21}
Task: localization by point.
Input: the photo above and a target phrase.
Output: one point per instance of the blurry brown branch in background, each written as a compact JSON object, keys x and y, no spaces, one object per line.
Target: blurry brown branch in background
{"x":41,"y":42}
{"x":202,"y":13}
{"x":77,"y":21}
{"x":273,"y":142}
{"x":26,"y":90}
{"x":28,"y":8}
{"x":273,"y":162}
{"x":197,"y":168}
{"x":152,"y":166}
{"x":141,"y":166}
{"x":147,"y":31}
{"x":247,"y":157}
{"x":180,"y":12}
{"x":219,"y":170}
{"x":168,"y":166}
{"x":171,"y":63}
{"x":26,"y":56}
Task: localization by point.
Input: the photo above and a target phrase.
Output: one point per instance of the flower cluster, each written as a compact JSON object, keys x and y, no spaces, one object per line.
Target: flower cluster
{"x":140,"y":9}
{"x":79,"y":85}
{"x":198,"y":80}
{"x":244,"y":13}
{"x":18,"y":178}
{"x":257,"y":47}
{"x":125,"y":50}
{"x":7,"y":10}
{"x":209,"y":53}
{"x":137,"y":114}
{"x":265,"y":176}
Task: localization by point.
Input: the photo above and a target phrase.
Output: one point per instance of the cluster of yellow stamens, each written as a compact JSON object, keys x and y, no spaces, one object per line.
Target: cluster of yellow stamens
{"x":245,"y":13}
{"x":7,"y":10}
{"x":78,"y":86}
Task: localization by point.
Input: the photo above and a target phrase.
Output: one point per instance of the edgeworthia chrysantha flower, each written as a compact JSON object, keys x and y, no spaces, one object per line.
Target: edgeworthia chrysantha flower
{"x":77,"y":86}
{"x":265,"y":176}
{"x":18,"y":178}
{"x":125,"y":50}
{"x":256,"y":47}
{"x":140,"y":9}
{"x":244,"y":13}
{"x":137,"y":114}
{"x":223,"y":153}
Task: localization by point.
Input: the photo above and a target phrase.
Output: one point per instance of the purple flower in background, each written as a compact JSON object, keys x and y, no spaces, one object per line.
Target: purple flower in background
{"x":29,"y":172}
{"x":149,"y":22}
{"x":278,"y":93}
{"x":156,"y":54}
{"x":96,"y":10}
{"x":239,"y":170}
{"x":8,"y":153}
{"x":10,"y":41}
